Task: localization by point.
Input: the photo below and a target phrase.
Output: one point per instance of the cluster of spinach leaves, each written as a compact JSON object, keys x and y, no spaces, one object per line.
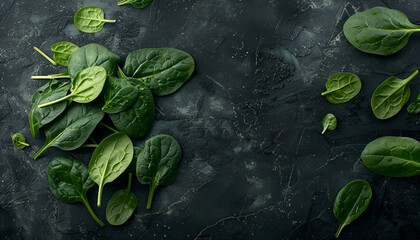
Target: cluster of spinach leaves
{"x":68,"y":119}
{"x":379,"y":31}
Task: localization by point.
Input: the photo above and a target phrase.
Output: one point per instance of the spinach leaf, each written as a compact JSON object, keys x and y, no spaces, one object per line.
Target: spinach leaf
{"x":342,"y":87}
{"x":69,"y":181}
{"x":121,"y":205}
{"x":414,"y":108}
{"x":164,"y":70}
{"x":137,"y":120}
{"x":379,"y":30}
{"x":393,"y":156}
{"x":45,"y":56}
{"x":329,"y":122}
{"x":19,"y":141}
{"x":90,"y":19}
{"x":157,"y":164}
{"x":85,"y":88}
{"x":51,"y":91}
{"x":391,"y":96}
{"x":132,"y":167}
{"x":73,"y":127}
{"x":136,"y":3}
{"x":351,"y":202}
{"x":93,"y":55}
{"x":62,"y":52}
{"x":119,"y":95}
{"x":110,"y":159}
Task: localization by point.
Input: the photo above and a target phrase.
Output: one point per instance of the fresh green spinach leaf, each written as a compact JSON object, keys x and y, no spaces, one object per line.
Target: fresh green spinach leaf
{"x":121,"y":205}
{"x":157,"y":164}
{"x":351,"y":202}
{"x":69,"y":181}
{"x":85,"y":88}
{"x":90,"y":19}
{"x":136,"y":3}
{"x":391,"y":96}
{"x":342,"y":87}
{"x":329,"y":122}
{"x":19,"y":141}
{"x":51,"y":91}
{"x":93,"y":55}
{"x":110,"y":159}
{"x":119,"y":95}
{"x":393,"y":156}
{"x":73,"y":127}
{"x":137,"y":120}
{"x":164,"y":70}
{"x":414,"y":108}
{"x":62,"y":52}
{"x":379,"y":30}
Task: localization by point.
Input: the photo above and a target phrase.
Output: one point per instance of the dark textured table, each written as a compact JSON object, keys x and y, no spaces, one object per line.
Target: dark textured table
{"x":255,"y":165}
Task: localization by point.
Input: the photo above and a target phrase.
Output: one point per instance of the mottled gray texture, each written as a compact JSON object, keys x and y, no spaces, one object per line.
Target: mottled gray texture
{"x":255,"y":165}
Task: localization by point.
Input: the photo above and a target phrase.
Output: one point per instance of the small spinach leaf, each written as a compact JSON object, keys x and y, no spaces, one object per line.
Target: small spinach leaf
{"x":329,"y":122}
{"x":393,"y":156}
{"x":73,"y":127}
{"x":137,"y":120}
{"x":157,"y":164}
{"x":342,"y":87}
{"x":85,"y":88}
{"x":19,"y":141}
{"x":110,"y":159}
{"x":93,"y":55}
{"x":69,"y":181}
{"x":62,"y":52}
{"x":119,"y":94}
{"x":51,"y":91}
{"x":379,"y":30}
{"x":164,"y":70}
{"x":136,"y":3}
{"x":90,"y":19}
{"x":121,"y":205}
{"x":414,"y":108}
{"x":351,"y":202}
{"x":391,"y":96}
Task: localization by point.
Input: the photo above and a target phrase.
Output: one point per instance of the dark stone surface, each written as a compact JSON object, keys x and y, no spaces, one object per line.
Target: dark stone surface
{"x":255,"y":165}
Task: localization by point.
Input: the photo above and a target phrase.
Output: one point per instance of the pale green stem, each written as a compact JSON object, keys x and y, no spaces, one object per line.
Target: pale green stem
{"x":86,"y":203}
{"x":55,"y":101}
{"x":50,"y":77}
{"x":108,"y":127}
{"x":325,"y":129}
{"x":45,"y":56}
{"x":108,"y":21}
{"x":123,"y":2}
{"x":93,"y":140}
{"x":101,"y":187}
{"x":89,"y":145}
{"x":151,"y":193}
{"x":337,"y":234}
{"x":24,"y":143}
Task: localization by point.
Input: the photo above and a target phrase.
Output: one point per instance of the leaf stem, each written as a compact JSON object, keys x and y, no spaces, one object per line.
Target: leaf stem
{"x":55,"y":101}
{"x":101,"y":187}
{"x":123,"y":2}
{"x":151,"y":193}
{"x":40,"y":151}
{"x":23,"y":143}
{"x":108,"y":127}
{"x":45,"y":56}
{"x":130,"y":176}
{"x":93,"y":140}
{"x":86,"y":203}
{"x":337,"y":234}
{"x":57,"y":76}
{"x":412,"y":76}
{"x":89,"y":145}
{"x":325,"y":129}
{"x":108,"y":21}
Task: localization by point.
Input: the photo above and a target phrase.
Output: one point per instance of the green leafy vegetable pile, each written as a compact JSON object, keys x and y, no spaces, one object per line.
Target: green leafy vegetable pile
{"x":69,"y":111}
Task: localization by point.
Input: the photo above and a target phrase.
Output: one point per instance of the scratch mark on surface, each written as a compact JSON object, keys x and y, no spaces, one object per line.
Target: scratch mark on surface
{"x":300,"y":141}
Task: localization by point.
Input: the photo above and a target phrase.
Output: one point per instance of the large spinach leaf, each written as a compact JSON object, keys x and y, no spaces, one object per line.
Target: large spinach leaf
{"x":164,"y":70}
{"x":391,"y":96}
{"x":393,"y":156}
{"x":379,"y":30}
{"x":51,"y":91}
{"x":342,"y":87}
{"x":85,"y":88}
{"x":93,"y":55}
{"x":119,"y":95}
{"x":137,"y":120}
{"x":136,"y":3}
{"x":69,"y":181}
{"x":73,"y":127}
{"x":90,"y":19}
{"x":19,"y":141}
{"x":157,"y":164}
{"x":351,"y":202}
{"x":62,"y":52}
{"x":121,"y":205}
{"x":110,"y":159}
